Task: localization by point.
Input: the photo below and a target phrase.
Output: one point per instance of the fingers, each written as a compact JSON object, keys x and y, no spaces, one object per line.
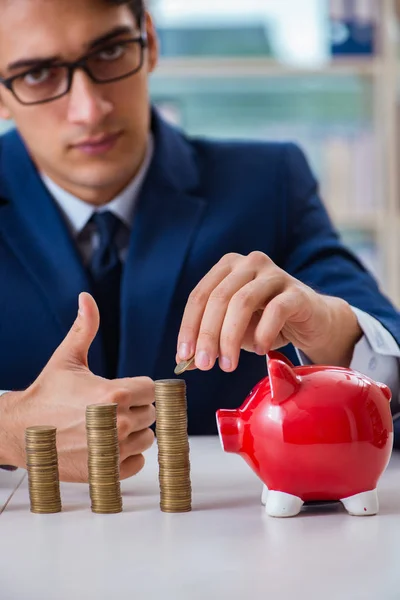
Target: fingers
{"x":208,"y":340}
{"x":73,"y":469}
{"x":196,"y":305}
{"x":131,"y":452}
{"x":243,"y":322}
{"x":269,"y":332}
{"x":73,"y":465}
{"x":142,"y":417}
{"x":238,"y":317}
{"x":135,"y":391}
{"x":224,"y":306}
{"x":131,"y":466}
{"x":247,"y":301}
{"x":229,"y":314}
{"x":134,"y":420}
{"x":74,"y":349}
{"x":136,"y":443}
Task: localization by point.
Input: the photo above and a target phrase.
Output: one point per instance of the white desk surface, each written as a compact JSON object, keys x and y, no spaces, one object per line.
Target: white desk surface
{"x":226,"y":548}
{"x":9,"y":482}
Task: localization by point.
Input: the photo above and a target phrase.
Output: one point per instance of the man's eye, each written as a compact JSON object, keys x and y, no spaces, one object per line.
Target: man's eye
{"x":37,"y":77}
{"x":112,"y":53}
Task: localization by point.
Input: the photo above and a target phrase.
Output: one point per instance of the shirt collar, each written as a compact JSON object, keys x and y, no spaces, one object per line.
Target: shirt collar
{"x":78,"y":213}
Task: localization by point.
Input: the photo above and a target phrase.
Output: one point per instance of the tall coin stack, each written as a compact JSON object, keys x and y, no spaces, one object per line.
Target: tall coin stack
{"x":103,"y":460}
{"x":173,"y":446}
{"x":42,"y":467}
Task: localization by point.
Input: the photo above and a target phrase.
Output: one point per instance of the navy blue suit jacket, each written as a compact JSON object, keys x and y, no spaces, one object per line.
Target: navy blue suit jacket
{"x":201,"y":199}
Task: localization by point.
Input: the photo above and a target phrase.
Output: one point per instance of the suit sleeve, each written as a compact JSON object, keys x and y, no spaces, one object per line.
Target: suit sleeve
{"x":314,"y":253}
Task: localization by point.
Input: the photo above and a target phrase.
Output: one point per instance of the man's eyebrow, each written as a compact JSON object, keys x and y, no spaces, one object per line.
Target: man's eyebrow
{"x":32,"y":62}
{"x":26,"y":63}
{"x":120,"y":30}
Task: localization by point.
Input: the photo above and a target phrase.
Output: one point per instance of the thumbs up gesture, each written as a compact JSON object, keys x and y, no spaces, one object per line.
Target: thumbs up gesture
{"x":60,"y":395}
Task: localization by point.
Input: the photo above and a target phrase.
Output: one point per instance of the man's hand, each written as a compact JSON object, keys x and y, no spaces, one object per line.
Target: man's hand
{"x":59,"y":398}
{"x":247,"y":302}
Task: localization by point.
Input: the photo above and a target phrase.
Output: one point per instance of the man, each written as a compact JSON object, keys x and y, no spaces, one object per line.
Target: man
{"x":187,"y":247}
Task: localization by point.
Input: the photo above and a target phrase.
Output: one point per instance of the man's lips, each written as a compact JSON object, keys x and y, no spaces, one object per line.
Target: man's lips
{"x":98,"y":144}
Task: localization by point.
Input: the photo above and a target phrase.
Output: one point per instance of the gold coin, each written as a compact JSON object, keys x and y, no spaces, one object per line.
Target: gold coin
{"x":110,"y":511}
{"x":106,"y":499}
{"x":160,"y":384}
{"x":101,"y":408}
{"x":41,"y":430}
{"x":47,"y":511}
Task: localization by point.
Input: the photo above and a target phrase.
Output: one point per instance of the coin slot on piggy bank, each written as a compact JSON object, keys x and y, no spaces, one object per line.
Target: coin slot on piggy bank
{"x":313,"y":434}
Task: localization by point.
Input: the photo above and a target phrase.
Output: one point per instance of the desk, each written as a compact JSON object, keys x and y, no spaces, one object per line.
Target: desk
{"x":226,"y":548}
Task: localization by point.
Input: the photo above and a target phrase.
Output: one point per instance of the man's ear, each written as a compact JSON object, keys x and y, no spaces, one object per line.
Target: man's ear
{"x":153,"y":44}
{"x":4,"y":112}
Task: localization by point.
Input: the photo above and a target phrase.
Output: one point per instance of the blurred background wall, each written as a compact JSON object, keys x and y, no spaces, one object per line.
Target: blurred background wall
{"x":322,"y":73}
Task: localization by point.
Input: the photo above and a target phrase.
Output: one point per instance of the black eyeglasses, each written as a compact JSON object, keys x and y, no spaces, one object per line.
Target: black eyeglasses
{"x":50,"y":81}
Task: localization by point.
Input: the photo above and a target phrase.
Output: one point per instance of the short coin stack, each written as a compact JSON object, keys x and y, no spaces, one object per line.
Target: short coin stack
{"x":173,"y":446}
{"x":42,"y":467}
{"x":103,"y":461}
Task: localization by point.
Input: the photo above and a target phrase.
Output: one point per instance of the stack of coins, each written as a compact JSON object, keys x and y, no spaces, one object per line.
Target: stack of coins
{"x":42,"y":467}
{"x":173,"y":446}
{"x":103,"y":460}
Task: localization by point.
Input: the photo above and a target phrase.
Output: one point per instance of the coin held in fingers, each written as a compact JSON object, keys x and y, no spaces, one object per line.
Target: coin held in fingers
{"x":183,"y":366}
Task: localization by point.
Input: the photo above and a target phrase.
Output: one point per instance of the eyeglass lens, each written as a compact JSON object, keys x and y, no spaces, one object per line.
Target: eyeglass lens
{"x":49,"y":82}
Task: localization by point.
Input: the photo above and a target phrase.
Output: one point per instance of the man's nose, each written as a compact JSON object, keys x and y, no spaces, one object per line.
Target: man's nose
{"x":86,"y":103}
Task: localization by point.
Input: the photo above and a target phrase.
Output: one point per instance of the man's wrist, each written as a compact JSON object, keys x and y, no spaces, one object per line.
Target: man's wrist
{"x":343,"y":333}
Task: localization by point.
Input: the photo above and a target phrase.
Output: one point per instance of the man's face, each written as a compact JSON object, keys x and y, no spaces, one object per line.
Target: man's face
{"x":91,"y":141}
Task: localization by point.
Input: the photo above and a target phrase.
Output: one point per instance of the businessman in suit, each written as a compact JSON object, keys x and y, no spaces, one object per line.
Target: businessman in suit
{"x":174,"y":246}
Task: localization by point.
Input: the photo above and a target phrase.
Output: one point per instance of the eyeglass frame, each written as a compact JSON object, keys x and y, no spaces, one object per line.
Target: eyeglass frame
{"x":71,"y":67}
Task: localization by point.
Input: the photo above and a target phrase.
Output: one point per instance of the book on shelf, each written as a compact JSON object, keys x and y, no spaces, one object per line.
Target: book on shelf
{"x":354,"y":27}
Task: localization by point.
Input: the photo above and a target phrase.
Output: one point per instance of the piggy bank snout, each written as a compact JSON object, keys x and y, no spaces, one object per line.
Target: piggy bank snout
{"x":229,"y":430}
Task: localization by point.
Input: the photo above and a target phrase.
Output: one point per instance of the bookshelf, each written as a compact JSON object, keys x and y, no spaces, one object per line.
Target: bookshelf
{"x":353,"y":151}
{"x":262,"y":67}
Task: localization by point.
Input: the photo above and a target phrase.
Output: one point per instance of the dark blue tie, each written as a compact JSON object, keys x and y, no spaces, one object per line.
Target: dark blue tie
{"x":106,"y":269}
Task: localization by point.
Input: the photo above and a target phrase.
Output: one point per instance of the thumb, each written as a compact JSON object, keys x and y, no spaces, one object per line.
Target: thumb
{"x":75,"y":347}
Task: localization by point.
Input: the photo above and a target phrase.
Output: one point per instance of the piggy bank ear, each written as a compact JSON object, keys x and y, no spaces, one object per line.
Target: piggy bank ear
{"x":283,"y":380}
{"x":386,"y":390}
{"x":279,"y":356}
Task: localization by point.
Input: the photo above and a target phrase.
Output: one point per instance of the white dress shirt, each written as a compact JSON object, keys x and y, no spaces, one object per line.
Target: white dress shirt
{"x":77,"y":213}
{"x":376,"y":354}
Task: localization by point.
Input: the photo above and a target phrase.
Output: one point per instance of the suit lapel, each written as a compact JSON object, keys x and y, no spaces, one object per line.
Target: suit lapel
{"x":33,"y":227}
{"x":166,"y":220}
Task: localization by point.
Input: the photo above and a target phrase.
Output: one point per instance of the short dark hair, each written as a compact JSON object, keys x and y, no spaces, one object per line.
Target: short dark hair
{"x":136,"y":6}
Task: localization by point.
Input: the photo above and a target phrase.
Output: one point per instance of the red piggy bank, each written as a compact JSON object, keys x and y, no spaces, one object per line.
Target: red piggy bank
{"x":313,"y":433}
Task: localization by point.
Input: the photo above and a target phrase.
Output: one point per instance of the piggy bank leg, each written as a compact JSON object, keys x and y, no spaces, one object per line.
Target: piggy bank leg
{"x":264,"y":495}
{"x":280,"y":504}
{"x":362,"y":504}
